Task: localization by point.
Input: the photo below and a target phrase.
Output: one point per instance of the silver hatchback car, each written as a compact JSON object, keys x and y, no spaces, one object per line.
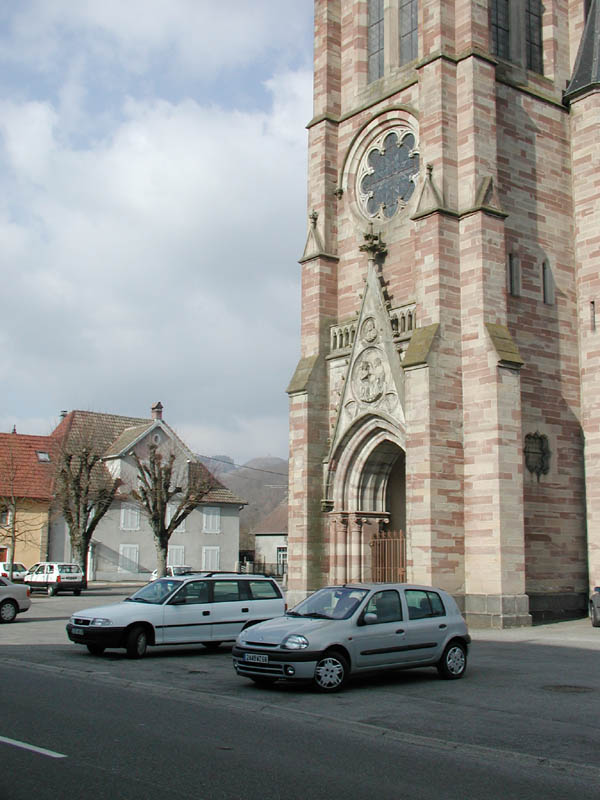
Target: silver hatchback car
{"x":344,"y":630}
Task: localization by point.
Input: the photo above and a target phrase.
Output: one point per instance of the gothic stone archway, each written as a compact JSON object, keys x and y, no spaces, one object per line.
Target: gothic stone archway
{"x":367,"y":496}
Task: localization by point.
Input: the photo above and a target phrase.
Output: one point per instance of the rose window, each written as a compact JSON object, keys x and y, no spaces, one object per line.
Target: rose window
{"x":388,"y":174}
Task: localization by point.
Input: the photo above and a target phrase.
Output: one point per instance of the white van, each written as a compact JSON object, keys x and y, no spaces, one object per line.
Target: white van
{"x":54,"y":577}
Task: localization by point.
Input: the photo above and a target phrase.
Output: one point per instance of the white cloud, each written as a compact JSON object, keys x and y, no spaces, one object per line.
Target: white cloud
{"x":199,"y":36}
{"x":156,"y":260}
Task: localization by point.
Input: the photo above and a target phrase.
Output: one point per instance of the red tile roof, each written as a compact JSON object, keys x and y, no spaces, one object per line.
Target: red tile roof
{"x":33,"y":478}
{"x":21,"y":471}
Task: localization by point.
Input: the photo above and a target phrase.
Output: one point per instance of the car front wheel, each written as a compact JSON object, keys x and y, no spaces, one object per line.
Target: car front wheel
{"x":8,"y":611}
{"x":331,"y":672}
{"x":137,"y":642}
{"x":595,"y":615}
{"x":453,"y":663}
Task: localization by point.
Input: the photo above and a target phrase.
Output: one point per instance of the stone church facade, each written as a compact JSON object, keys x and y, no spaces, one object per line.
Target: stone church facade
{"x":445,"y":411}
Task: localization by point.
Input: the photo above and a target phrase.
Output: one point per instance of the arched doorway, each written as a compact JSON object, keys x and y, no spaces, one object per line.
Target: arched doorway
{"x":384,"y":488}
{"x":367,"y":508}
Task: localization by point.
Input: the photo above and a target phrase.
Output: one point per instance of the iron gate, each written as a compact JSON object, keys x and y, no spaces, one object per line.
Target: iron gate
{"x":388,"y":557}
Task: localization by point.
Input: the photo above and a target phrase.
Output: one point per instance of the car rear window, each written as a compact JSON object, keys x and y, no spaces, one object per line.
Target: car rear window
{"x":67,"y":569}
{"x":263,"y":590}
{"x":225,"y":591}
{"x":423,"y":604}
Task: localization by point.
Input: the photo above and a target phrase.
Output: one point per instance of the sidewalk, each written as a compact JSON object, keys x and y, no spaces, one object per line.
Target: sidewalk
{"x":573,"y":633}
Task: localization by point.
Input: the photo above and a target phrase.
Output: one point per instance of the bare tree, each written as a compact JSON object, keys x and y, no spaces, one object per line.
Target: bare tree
{"x":158,"y":488}
{"x":14,"y":527}
{"x":84,"y":491}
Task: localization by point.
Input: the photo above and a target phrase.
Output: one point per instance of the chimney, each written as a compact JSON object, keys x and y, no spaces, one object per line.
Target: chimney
{"x":63,"y":413}
{"x":157,"y":409}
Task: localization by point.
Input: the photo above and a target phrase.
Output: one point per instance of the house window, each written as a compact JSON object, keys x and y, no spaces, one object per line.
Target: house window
{"x":43,"y":456}
{"x":513,"y":276}
{"x":375,"y":40}
{"x":4,"y":517}
{"x":547,"y":284}
{"x":211,"y":516}
{"x":409,"y":22}
{"x":130,"y":517}
{"x":593,"y":315}
{"x":210,"y":558}
{"x":176,"y":555}
{"x":171,"y":509}
{"x":128,"y":557}
{"x":281,"y":559}
{"x":507,"y":22}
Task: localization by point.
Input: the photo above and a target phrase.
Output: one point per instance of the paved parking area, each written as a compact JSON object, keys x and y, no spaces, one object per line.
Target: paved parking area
{"x":531,"y":692}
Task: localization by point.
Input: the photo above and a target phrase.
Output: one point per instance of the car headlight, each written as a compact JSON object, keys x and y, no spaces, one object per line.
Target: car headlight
{"x":101,"y":621}
{"x":295,"y":642}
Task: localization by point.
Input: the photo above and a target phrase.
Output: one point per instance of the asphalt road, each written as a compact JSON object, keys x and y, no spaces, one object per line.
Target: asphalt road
{"x":523,"y":723}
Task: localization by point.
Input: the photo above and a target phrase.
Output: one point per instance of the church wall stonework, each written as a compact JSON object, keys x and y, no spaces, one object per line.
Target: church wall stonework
{"x":479,"y":278}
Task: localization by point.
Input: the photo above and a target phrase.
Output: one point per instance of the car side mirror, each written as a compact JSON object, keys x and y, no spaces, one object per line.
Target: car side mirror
{"x":370,"y":618}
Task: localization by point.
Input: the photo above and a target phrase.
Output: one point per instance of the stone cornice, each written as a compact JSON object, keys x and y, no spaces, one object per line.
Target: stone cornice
{"x":327,"y":117}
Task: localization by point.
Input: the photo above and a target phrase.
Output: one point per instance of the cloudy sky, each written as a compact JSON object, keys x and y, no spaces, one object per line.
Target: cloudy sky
{"x":152,"y":213}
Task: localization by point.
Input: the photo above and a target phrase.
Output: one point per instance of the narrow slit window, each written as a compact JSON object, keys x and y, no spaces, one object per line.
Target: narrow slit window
{"x":593,"y":315}
{"x":375,"y":40}
{"x":514,"y":276}
{"x":547,"y":284}
{"x":500,"y":28}
{"x":533,"y":36}
{"x":409,"y":22}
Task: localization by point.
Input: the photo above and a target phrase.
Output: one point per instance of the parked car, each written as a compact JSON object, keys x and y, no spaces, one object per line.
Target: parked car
{"x":595,"y":607}
{"x":18,"y":570}
{"x":205,"y":608}
{"x":14,"y":599}
{"x":344,"y":630}
{"x":178,"y":570}
{"x":55,"y":576}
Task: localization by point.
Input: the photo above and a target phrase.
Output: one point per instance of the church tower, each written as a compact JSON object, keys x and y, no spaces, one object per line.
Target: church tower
{"x":448,"y":375}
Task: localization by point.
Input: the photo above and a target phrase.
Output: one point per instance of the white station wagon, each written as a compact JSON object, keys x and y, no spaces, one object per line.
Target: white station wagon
{"x":355,"y":628}
{"x":205,"y":608}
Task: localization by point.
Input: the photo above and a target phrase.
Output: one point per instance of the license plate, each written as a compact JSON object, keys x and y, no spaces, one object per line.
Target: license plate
{"x":256,"y":658}
{"x":77,"y":631}
{"x":68,"y":578}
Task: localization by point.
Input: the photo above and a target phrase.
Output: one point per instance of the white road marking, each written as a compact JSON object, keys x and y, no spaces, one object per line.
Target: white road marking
{"x":24,"y":746}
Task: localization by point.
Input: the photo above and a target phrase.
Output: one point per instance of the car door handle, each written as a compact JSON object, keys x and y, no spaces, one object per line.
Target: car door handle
{"x":205,"y":613}
{"x":400,"y":630}
{"x":245,"y":610}
{"x":442,"y":626}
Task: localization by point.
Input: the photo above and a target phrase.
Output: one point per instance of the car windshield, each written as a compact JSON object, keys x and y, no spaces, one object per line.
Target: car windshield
{"x":155,"y":592}
{"x":334,"y":602}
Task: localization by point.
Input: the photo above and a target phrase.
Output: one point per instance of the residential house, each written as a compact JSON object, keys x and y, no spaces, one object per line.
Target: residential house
{"x":25,"y":496}
{"x":270,"y":540}
{"x":122,"y":546}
